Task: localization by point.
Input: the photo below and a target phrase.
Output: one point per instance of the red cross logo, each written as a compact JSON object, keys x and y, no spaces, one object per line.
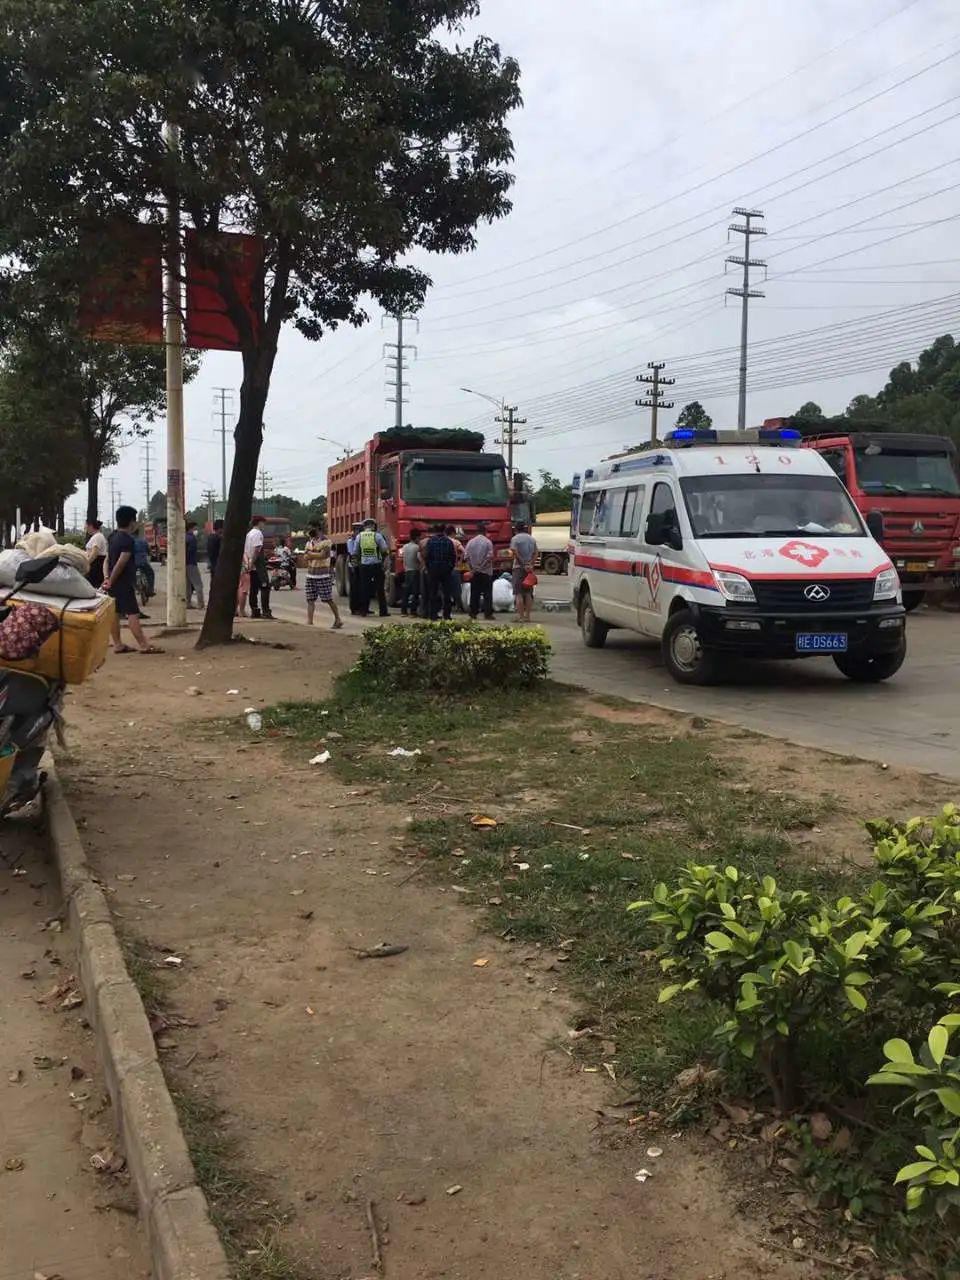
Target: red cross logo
{"x":804,"y":553}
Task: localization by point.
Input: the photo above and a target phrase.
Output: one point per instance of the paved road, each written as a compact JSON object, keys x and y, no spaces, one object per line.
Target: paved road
{"x":911,"y":720}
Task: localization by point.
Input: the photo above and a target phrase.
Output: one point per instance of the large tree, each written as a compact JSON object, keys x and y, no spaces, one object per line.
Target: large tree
{"x":694,"y":415}
{"x":345,"y":133}
{"x":552,"y":495}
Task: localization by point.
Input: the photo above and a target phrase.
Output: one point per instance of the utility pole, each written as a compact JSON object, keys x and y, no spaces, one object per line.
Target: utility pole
{"x":173,"y":340}
{"x":264,"y":481}
{"x":745,"y":229}
{"x":508,"y":436}
{"x":115,"y":496}
{"x":223,"y":404}
{"x":74,"y":517}
{"x":396,"y":364}
{"x":210,"y":497}
{"x":654,"y":400}
{"x":147,"y":461}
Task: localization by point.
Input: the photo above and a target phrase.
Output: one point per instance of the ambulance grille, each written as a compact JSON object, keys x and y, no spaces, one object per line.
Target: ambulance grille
{"x":788,"y":593}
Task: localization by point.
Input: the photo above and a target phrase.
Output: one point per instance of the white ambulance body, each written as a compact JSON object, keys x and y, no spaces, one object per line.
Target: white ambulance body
{"x":744,"y":546}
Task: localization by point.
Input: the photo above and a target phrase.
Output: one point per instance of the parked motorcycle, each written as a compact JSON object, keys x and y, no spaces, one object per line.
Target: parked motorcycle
{"x":30,"y":706}
{"x":281,"y":575}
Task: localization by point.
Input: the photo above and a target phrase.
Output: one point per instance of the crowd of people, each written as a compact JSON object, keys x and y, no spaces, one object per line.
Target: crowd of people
{"x":435,"y":563}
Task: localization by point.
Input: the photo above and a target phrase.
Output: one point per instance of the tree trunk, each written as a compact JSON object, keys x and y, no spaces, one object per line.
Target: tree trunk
{"x":61,"y":521}
{"x":248,"y":436}
{"x":779,"y":1070}
{"x":94,"y":458}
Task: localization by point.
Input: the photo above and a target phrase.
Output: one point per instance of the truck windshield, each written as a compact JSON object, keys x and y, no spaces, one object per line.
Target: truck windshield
{"x":769,"y":504}
{"x":897,"y":471}
{"x":449,"y":486}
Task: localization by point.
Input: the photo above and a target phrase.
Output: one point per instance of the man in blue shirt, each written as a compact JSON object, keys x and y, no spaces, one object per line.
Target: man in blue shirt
{"x":372,"y":549}
{"x":194,"y":581}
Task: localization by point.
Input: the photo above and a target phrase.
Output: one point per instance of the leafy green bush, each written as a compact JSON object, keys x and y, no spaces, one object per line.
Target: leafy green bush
{"x":932,"y":1080}
{"x":454,"y":657}
{"x":789,"y":964}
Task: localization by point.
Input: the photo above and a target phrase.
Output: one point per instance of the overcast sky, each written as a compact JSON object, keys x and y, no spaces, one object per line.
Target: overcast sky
{"x":644,"y":123}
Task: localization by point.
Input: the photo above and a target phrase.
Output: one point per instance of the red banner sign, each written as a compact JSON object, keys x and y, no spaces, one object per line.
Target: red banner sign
{"x":123,"y":300}
{"x":209,"y":324}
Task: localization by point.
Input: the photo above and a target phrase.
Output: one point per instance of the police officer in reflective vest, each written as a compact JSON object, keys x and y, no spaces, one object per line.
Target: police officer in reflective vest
{"x":373,"y":549}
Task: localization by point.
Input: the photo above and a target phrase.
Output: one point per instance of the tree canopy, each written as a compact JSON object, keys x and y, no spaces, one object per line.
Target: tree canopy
{"x":343,"y":134}
{"x":694,"y":415}
{"x":552,"y":495}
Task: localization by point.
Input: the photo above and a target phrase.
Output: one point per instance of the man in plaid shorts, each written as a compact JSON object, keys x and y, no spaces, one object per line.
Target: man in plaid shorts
{"x":319,"y":582}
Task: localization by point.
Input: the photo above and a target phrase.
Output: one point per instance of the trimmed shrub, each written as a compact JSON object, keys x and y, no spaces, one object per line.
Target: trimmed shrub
{"x":452,"y":656}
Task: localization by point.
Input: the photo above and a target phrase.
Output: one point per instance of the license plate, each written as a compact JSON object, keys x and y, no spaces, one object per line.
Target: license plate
{"x":915,"y":566}
{"x":821,"y":641}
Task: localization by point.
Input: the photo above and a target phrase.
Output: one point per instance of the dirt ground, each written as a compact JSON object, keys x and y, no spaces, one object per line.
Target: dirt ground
{"x":59,"y":1216}
{"x":393,"y":1080}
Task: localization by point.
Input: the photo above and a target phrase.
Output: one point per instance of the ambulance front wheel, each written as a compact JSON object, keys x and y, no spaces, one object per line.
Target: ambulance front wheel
{"x":683,"y":653}
{"x":594,"y":631}
{"x":869,"y":670}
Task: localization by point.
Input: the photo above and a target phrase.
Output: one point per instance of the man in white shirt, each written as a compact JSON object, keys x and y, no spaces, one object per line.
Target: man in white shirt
{"x":254,"y":579}
{"x":478,"y":554}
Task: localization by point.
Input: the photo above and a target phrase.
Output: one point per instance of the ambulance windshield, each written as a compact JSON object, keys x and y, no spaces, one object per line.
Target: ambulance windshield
{"x":769,"y":505}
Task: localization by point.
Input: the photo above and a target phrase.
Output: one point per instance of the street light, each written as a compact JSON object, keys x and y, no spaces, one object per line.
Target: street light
{"x":339,"y":443}
{"x":483,"y":395}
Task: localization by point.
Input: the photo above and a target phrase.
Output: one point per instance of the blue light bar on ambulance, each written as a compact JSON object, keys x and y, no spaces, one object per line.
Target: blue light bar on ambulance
{"x":691,"y":435}
{"x":779,"y":435}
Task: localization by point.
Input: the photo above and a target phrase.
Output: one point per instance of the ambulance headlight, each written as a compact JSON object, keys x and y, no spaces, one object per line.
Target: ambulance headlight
{"x":886,"y":585}
{"x":735,"y":587}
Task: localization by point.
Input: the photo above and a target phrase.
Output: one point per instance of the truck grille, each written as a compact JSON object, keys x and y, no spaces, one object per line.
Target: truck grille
{"x":788,"y":593}
{"x":936,"y":538}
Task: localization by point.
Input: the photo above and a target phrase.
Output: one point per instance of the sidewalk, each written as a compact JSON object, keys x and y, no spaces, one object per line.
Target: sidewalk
{"x":60,"y":1217}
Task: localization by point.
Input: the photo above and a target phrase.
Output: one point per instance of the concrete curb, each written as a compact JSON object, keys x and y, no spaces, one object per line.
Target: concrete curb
{"x":183,"y":1242}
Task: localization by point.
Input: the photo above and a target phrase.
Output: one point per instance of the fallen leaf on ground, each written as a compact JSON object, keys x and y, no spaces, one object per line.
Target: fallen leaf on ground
{"x":642,"y":1175}
{"x":14,"y":1164}
{"x":107,"y":1161}
{"x":454,"y":1190}
{"x":312,"y":1012}
{"x":322,"y":758}
{"x":126,"y":879}
{"x":15,"y":1077}
{"x":28,"y":974}
{"x":172,"y":962}
{"x":73,"y":1001}
{"x":481,"y":820}
{"x":43,"y":1062}
{"x":738,"y":1114}
{"x":820,"y":1126}
{"x":43,"y":1275}
{"x":481,"y":963}
{"x":654,"y":1152}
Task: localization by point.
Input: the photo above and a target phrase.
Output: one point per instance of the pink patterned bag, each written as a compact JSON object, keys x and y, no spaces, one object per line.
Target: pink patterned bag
{"x":24,"y":631}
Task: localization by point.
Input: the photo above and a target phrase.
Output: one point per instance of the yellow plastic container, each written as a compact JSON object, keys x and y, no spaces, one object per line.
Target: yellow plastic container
{"x":75,"y":651}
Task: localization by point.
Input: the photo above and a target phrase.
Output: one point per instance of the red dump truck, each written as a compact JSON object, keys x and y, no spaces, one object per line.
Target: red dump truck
{"x":912,"y":480}
{"x":409,"y":478}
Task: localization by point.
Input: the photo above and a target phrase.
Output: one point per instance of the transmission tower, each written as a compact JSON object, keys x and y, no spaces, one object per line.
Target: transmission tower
{"x":264,"y":480}
{"x":147,"y":457}
{"x":508,"y":436}
{"x":115,"y":498}
{"x":654,"y":400}
{"x":397,"y":365}
{"x":745,"y":229}
{"x":210,"y":497}
{"x":222,"y":405}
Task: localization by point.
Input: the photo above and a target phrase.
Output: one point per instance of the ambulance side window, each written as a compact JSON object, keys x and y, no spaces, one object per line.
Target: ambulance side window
{"x":588,"y":504}
{"x":663,"y":515}
{"x":664,"y":503}
{"x":609,"y":513}
{"x":632,"y":508}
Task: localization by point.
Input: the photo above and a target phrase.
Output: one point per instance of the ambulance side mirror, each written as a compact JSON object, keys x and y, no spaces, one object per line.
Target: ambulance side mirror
{"x":662,"y":531}
{"x":875,"y":525}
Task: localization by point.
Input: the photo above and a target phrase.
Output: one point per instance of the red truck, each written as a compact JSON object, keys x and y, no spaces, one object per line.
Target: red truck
{"x":155,"y":532}
{"x":409,"y":478}
{"x":912,"y":480}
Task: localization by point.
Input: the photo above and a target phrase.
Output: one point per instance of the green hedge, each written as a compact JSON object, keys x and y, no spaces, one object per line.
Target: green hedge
{"x":450,"y":656}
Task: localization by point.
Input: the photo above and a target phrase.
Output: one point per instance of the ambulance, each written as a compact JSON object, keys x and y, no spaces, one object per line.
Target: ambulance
{"x":734,"y":544}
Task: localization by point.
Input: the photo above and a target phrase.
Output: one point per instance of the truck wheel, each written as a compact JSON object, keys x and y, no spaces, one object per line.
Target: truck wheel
{"x":912,"y":599}
{"x":870,"y":670}
{"x":593,"y":630}
{"x":340,"y":576}
{"x":683,"y":653}
{"x":551,"y":563}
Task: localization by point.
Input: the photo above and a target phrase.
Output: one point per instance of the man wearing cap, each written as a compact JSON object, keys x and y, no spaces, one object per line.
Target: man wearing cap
{"x":373,"y":550}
